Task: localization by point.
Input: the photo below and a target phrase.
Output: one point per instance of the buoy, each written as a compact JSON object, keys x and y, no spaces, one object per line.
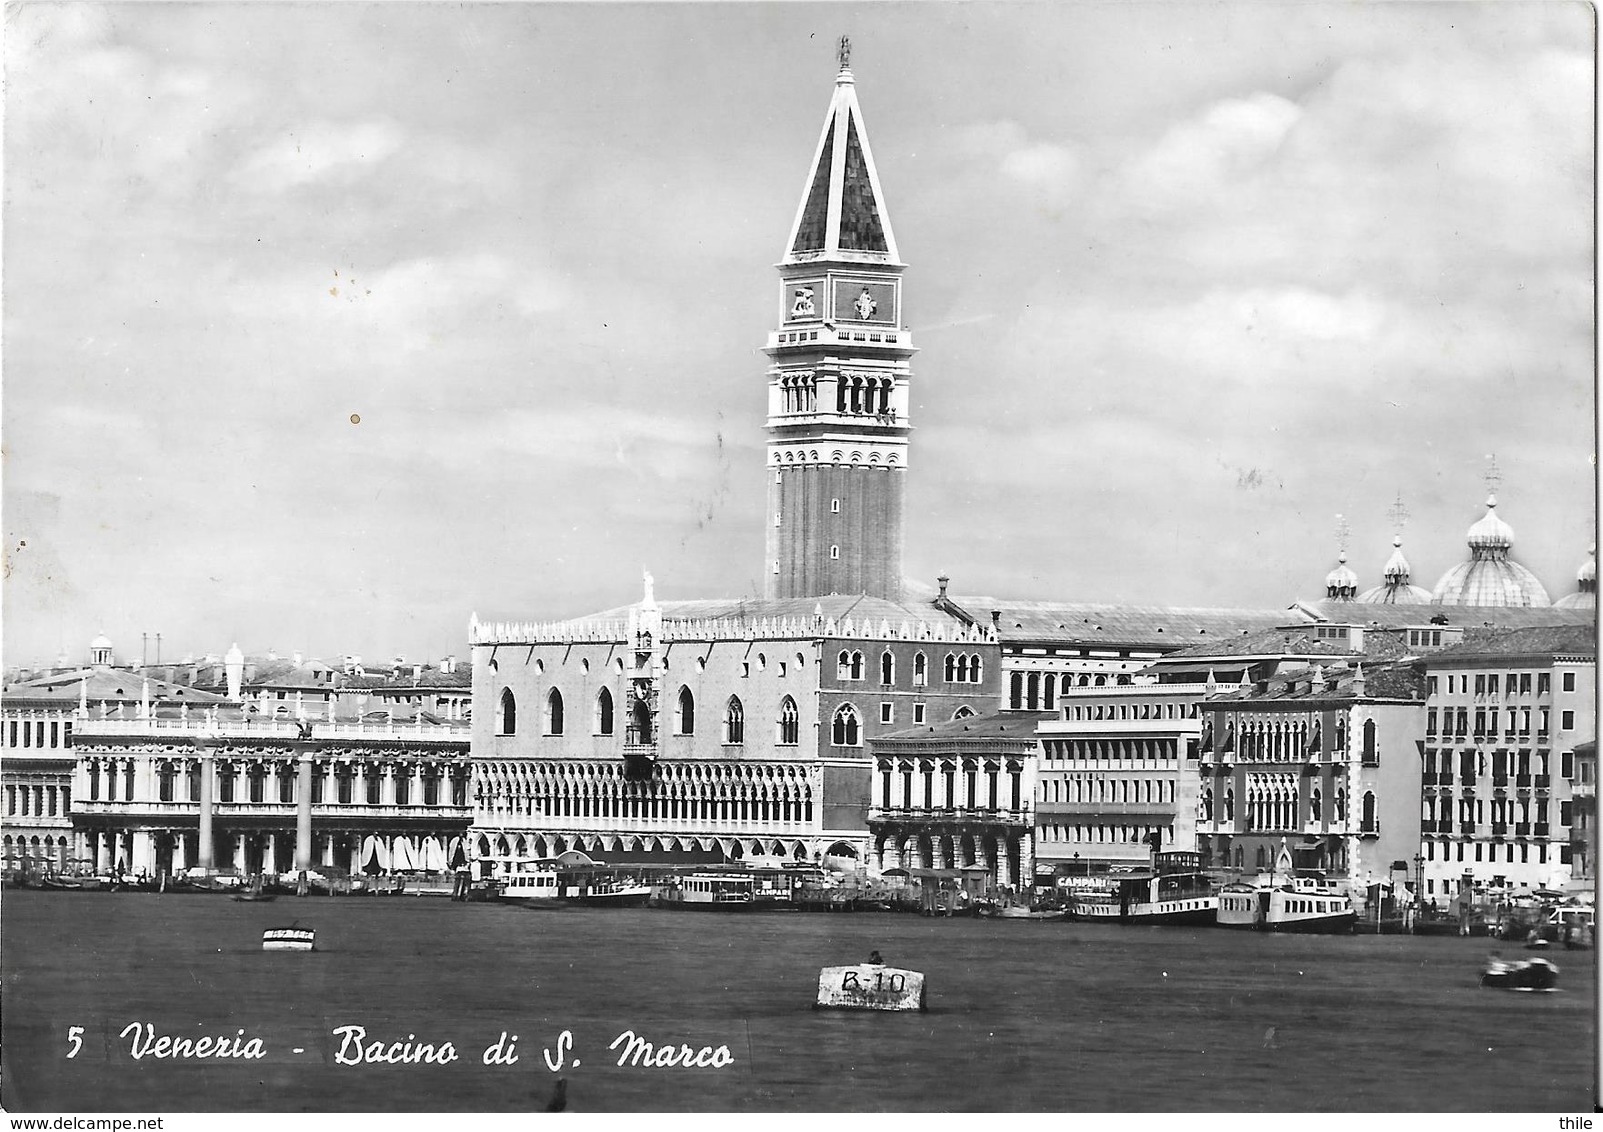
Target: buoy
{"x":870,"y":986}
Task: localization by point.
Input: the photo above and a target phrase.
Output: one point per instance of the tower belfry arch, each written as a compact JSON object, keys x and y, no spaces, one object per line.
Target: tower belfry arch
{"x":838,"y":376}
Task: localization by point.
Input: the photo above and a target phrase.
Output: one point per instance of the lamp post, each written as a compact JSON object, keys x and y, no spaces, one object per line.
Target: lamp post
{"x":1077,"y":865}
{"x":1419,"y":879}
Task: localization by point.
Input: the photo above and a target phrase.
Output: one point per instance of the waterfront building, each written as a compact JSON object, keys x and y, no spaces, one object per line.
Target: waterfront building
{"x":958,"y":794}
{"x":1583,"y":830}
{"x":38,"y":716}
{"x":228,"y":791}
{"x":730,"y":728}
{"x":695,"y":731}
{"x":1506,"y":712}
{"x":1118,"y":776}
{"x":1309,"y":742}
{"x":1049,"y":648}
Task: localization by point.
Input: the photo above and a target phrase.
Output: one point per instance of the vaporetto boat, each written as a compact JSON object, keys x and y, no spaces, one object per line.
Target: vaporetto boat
{"x":1176,"y":891}
{"x":711,"y":892}
{"x":527,"y":881}
{"x":1304,"y":904}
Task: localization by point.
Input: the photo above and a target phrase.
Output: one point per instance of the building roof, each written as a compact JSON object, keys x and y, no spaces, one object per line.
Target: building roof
{"x":1397,"y":588}
{"x":1381,"y":681}
{"x":1415,"y":616}
{"x":858,"y":607}
{"x":1018,"y":725}
{"x":103,"y":685}
{"x":1145,"y":626}
{"x":1532,"y":643}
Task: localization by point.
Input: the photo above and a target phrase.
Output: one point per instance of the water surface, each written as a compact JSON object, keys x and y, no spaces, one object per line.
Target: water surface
{"x":1022,"y":1015}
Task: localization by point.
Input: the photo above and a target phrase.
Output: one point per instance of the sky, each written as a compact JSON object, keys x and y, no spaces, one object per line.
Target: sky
{"x":329,"y":325}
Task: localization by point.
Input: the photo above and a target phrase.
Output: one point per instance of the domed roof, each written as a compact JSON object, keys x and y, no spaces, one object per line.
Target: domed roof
{"x":100,"y":642}
{"x":1490,"y":577}
{"x":1341,"y":584}
{"x":1396,"y":590}
{"x":1585,"y":596}
{"x":1491,"y":532}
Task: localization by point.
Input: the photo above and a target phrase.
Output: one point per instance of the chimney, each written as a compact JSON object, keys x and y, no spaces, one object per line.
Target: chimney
{"x":234,"y":670}
{"x":943,"y":579}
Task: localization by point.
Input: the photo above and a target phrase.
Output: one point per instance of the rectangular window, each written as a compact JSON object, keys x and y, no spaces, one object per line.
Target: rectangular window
{"x":918,"y":713}
{"x":1564,"y":809}
{"x":886,"y":713}
{"x":1433,"y":687}
{"x":1569,"y":682}
{"x":1480,"y":683}
{"x":1566,"y":720}
{"x":1430,"y":722}
{"x":1544,"y":683}
{"x":1491,"y":684}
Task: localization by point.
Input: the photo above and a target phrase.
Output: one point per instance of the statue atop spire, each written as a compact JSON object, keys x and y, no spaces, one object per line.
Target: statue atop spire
{"x":844,"y":53}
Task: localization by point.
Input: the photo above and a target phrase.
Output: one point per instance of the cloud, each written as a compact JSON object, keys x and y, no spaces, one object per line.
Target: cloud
{"x":1204,"y":157}
{"x":319,"y":152}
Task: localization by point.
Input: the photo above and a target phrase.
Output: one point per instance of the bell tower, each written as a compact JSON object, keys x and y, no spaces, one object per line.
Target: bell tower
{"x":838,"y":377}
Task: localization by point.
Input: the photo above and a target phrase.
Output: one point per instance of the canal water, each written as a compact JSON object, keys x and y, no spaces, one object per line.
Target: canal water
{"x":1023,"y":1015}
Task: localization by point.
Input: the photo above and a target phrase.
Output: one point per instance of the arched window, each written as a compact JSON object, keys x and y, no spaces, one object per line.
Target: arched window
{"x":1371,"y":756}
{"x":553,"y":713}
{"x":1368,"y":812}
{"x":1016,"y":691}
{"x":789,"y":726}
{"x":857,"y":666}
{"x":1315,"y":804}
{"x":921,"y":674}
{"x":506,"y":714}
{"x":887,"y":668}
{"x":604,"y":712}
{"x":734,"y":721}
{"x":951,"y":668}
{"x":974,"y":673}
{"x":843,"y":666}
{"x":684,"y":718}
{"x":963,"y":712}
{"x":844,"y":731}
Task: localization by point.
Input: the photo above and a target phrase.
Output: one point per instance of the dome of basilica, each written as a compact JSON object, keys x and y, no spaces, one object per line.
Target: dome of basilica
{"x":1585,"y":595}
{"x":1396,"y":589}
{"x":1490,"y":577}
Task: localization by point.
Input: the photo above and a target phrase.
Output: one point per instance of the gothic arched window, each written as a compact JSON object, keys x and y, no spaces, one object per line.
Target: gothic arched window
{"x":734,"y":721}
{"x":506,"y":715}
{"x":920,"y":671}
{"x":553,"y":713}
{"x":789,"y":725}
{"x":857,"y":666}
{"x":887,"y":668}
{"x":684,"y":720}
{"x":604,"y":712}
{"x":951,"y":668}
{"x":844,"y":731}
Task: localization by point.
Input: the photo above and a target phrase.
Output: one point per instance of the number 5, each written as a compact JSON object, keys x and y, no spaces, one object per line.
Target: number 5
{"x":77,"y":1042}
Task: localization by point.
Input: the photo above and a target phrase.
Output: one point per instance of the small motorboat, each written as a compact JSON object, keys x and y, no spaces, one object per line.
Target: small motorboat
{"x":1524,"y":975}
{"x":292,"y":938}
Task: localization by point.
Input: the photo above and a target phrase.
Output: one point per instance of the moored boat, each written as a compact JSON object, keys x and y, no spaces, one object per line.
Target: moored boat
{"x":529,"y":882}
{"x":1307,"y":905}
{"x":710,"y":892}
{"x":1175,"y":891}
